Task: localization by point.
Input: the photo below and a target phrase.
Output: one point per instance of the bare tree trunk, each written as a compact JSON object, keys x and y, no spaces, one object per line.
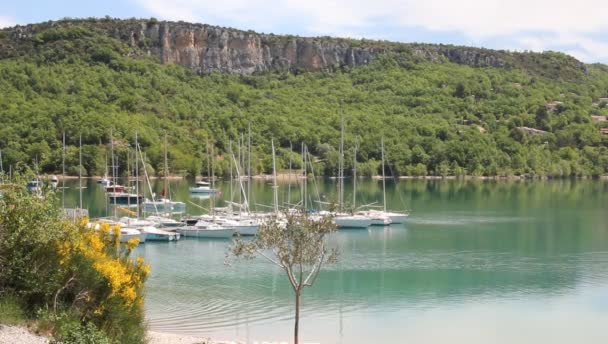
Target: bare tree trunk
{"x":297,"y":320}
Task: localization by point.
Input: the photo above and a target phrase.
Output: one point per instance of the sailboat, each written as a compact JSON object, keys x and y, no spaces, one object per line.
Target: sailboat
{"x":342,"y":219}
{"x":203,"y":227}
{"x":378,"y":219}
{"x":164,"y":205}
{"x":105,"y":181}
{"x":395,"y":217}
{"x":115,"y":196}
{"x":80,"y":212}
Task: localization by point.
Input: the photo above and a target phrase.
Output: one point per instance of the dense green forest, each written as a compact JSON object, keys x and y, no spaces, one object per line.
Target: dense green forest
{"x":437,"y":118}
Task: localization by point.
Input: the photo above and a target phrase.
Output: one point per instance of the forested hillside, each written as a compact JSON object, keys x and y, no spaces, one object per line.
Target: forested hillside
{"x":437,"y":117}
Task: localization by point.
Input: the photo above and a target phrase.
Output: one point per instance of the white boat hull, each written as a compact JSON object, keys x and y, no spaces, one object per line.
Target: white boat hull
{"x":381,"y":221}
{"x":192,"y":231}
{"x":162,"y":237}
{"x":398,"y":218}
{"x":353,"y":222}
{"x":126,"y":237}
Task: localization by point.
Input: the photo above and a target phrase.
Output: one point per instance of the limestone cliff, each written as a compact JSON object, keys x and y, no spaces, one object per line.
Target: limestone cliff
{"x":205,"y":49}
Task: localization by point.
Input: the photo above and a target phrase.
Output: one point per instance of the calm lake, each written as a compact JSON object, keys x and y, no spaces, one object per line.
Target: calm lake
{"x":478,"y":262}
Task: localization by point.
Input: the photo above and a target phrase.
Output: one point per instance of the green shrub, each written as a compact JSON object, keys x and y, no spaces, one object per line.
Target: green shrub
{"x":73,"y":332}
{"x":11,"y":311}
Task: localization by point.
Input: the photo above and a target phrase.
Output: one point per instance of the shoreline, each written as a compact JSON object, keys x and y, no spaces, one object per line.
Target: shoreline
{"x":296,"y":176}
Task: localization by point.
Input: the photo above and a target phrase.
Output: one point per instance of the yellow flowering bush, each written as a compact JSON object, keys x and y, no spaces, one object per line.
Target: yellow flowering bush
{"x":124,"y":276}
{"x":112,"y":281}
{"x":70,"y":273}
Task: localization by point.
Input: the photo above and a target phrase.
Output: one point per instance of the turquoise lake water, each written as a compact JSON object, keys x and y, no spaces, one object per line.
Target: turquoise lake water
{"x":478,"y":262}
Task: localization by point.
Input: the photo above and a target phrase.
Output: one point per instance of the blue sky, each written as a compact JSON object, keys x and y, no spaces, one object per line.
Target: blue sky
{"x":579,"y":28}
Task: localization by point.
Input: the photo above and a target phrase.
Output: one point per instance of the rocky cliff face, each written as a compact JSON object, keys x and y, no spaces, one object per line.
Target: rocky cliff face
{"x":206,"y":49}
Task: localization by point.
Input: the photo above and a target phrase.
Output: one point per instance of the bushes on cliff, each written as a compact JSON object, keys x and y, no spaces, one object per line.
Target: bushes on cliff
{"x":77,"y":281}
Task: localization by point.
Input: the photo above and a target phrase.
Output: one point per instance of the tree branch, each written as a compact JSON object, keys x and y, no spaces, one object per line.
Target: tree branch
{"x":315,"y":271}
{"x":59,"y":292}
{"x":270,"y":259}
{"x":292,"y":279}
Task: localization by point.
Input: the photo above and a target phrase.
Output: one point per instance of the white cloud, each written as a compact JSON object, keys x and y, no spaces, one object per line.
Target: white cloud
{"x":476,"y":20}
{"x":6,"y":22}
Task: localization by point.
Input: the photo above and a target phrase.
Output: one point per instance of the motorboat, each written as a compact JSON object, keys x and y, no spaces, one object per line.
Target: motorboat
{"x":202,"y":187}
{"x":128,"y":233}
{"x":157,"y":234}
{"x":124,"y":198}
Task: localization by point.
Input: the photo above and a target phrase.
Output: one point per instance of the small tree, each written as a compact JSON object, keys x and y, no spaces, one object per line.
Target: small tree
{"x":297,"y":244}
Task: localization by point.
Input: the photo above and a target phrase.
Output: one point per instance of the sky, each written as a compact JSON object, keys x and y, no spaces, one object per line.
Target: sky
{"x":578,"y":28}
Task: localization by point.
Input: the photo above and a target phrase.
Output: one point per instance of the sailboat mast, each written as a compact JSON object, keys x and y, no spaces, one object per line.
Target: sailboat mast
{"x":213,"y":182}
{"x":289,"y":180}
{"x":303,"y":176}
{"x":113,"y":169}
{"x":231,"y":168}
{"x":63,"y":173}
{"x":166,"y":169}
{"x":249,"y":164}
{"x":341,"y":162}
{"x":80,"y":169}
{"x":355,"y":178}
{"x":136,"y":176}
{"x":275,"y":187}
{"x":128,"y":183}
{"x":383,"y":177}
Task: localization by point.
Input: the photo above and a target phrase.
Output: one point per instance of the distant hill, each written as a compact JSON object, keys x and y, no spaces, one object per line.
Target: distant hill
{"x":443,"y":109}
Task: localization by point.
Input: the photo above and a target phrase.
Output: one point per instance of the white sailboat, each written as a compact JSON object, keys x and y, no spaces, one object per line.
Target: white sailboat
{"x":80,"y":212}
{"x":164,"y":205}
{"x":205,"y":229}
{"x":342,"y":219}
{"x":393,"y":216}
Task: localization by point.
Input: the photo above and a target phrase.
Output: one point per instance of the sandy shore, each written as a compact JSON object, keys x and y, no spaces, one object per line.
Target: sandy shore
{"x":19,"y":335}
{"x":22,"y":335}
{"x":167,"y":338}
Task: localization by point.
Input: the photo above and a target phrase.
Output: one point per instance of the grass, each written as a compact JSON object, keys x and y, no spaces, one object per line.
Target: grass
{"x":11,"y":312}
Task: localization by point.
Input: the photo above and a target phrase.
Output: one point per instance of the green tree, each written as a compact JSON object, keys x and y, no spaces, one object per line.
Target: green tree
{"x":298,"y":245}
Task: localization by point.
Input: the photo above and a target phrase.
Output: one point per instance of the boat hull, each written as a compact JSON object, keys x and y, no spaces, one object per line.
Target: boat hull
{"x":202,"y":191}
{"x":398,"y":218}
{"x":381,"y":221}
{"x":162,"y":237}
{"x":124,"y":199}
{"x":194,"y":232}
{"x":352,"y":222}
